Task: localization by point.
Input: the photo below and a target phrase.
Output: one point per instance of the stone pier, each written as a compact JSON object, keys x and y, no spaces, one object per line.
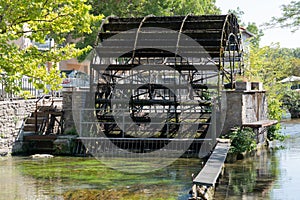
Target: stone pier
{"x":73,"y":102}
{"x":243,"y":107}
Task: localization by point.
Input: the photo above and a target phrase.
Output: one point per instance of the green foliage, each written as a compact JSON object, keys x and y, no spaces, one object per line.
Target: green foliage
{"x":274,"y":107}
{"x":242,"y":140}
{"x":37,"y":20}
{"x":274,"y":133}
{"x":295,"y":59}
{"x":270,"y":64}
{"x":71,"y":131}
{"x":140,"y":8}
{"x":253,"y":28}
{"x":291,"y":101}
{"x":296,"y":67}
{"x":290,"y":17}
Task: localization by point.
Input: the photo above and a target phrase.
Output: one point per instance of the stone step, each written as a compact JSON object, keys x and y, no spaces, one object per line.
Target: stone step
{"x":40,"y":138}
{"x":30,"y":127}
{"x":40,"y":146}
{"x":31,"y":120}
{"x":44,"y":108}
{"x":39,"y":114}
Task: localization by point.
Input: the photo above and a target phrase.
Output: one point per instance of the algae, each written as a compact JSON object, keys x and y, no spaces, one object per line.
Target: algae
{"x":88,"y":178}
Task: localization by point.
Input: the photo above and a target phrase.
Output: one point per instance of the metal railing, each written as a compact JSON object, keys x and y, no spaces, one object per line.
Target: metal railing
{"x":26,"y":85}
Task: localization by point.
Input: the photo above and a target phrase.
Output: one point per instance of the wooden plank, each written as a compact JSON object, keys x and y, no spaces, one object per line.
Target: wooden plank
{"x":261,"y":123}
{"x":40,"y":137}
{"x":210,"y":172}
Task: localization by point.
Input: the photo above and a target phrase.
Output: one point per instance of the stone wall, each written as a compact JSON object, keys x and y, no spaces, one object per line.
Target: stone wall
{"x":73,"y":102}
{"x":244,"y":107}
{"x":12,"y":114}
{"x":67,"y":108}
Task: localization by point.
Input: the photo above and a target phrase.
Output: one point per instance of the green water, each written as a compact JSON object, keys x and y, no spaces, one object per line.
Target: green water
{"x":88,"y":178}
{"x":274,"y":174}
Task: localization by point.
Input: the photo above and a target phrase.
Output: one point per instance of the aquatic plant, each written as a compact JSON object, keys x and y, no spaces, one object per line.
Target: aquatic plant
{"x":242,"y":140}
{"x":88,"y":178}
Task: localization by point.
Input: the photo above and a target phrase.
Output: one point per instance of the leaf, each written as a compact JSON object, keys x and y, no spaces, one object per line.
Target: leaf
{"x":37,"y":20}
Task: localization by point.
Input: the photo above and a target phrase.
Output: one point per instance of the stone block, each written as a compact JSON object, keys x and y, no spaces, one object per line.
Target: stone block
{"x":257,"y":86}
{"x":20,"y":111}
{"x":63,"y":144}
{"x":243,"y":86}
{"x":41,"y":156}
{"x":4,"y":152}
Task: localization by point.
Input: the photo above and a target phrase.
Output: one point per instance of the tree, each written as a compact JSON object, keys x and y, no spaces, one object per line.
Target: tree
{"x":290,"y":17}
{"x":258,"y":33}
{"x":269,"y":65}
{"x":37,"y":20}
{"x":294,"y":55}
{"x":251,"y":26}
{"x":141,"y":8}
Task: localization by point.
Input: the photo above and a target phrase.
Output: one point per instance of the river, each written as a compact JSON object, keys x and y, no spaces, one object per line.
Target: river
{"x":87,"y":178}
{"x":275,"y":174}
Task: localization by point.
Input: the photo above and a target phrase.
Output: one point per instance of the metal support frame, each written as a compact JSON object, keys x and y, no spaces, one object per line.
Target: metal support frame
{"x":216,"y":33}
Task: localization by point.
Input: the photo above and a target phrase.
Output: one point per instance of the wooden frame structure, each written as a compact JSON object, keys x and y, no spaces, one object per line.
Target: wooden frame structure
{"x":173,"y":67}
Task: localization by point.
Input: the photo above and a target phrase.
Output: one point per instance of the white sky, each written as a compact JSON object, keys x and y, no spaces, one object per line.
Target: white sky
{"x":261,"y":11}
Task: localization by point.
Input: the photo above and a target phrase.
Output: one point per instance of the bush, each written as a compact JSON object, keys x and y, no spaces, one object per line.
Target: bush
{"x":274,"y":133}
{"x":242,"y":139}
{"x":71,"y":131}
{"x":291,"y":101}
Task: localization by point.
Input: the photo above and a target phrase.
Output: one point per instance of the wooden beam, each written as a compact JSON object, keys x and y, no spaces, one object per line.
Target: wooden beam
{"x":260,"y":124}
{"x":210,"y":172}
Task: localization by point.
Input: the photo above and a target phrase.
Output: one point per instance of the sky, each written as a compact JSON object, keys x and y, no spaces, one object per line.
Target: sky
{"x":261,"y":11}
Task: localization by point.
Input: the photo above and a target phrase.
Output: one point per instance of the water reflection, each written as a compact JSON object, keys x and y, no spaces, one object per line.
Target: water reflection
{"x":13,"y":185}
{"x":250,"y":178}
{"x":287,"y":184}
{"x":274,"y":174}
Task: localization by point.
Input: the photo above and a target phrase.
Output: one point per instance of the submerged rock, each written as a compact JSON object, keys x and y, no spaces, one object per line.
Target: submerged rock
{"x":3,"y":152}
{"x":38,"y":156}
